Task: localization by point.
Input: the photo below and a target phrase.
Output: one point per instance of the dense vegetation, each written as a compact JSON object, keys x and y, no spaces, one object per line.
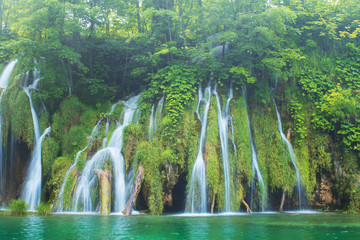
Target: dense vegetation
{"x":91,"y":53}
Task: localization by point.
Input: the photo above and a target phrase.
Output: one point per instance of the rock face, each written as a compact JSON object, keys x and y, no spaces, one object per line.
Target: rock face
{"x":134,"y":190}
{"x":323,"y":196}
{"x":15,"y":163}
{"x":105,"y":190}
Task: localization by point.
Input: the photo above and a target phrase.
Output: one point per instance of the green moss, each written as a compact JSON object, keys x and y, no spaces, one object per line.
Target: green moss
{"x":44,"y":121}
{"x":81,"y":161}
{"x":112,"y":127}
{"x":70,"y":113}
{"x":150,"y":155}
{"x":214,"y":169}
{"x":50,"y":151}
{"x":132,"y":135}
{"x":54,"y":182}
{"x":19,"y":121}
{"x":242,"y":163}
{"x":273,"y":157}
{"x":73,"y":140}
{"x":89,"y":119}
{"x":189,"y":140}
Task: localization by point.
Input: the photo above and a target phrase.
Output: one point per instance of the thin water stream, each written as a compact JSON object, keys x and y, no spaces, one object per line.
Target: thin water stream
{"x":196,"y":202}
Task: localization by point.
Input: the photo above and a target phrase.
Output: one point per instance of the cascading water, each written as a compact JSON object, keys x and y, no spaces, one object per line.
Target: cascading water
{"x":112,"y":152}
{"x":32,"y":188}
{"x":223,"y":122}
{"x":197,"y":194}
{"x":254,"y":164}
{"x":106,"y":132}
{"x":5,"y":75}
{"x":151,"y":123}
{"x":4,"y":80}
{"x":93,"y":135}
{"x":155,"y":114}
{"x":292,"y":154}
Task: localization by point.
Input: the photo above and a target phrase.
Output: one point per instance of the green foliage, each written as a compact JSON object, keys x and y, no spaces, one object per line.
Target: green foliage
{"x":312,"y":46}
{"x":97,"y":89}
{"x":54,"y":85}
{"x":242,"y":162}
{"x":132,"y":135}
{"x":20,"y":122}
{"x":298,"y":115}
{"x":18,"y":207}
{"x":348,"y":68}
{"x":69,"y":190}
{"x":214,"y":170}
{"x":351,"y":135}
{"x":43,"y":209}
{"x":188,"y":141}
{"x":149,"y":154}
{"x":50,"y":151}
{"x":56,"y":178}
{"x":273,"y":156}
{"x":242,"y":75}
{"x":178,"y":83}
{"x":74,"y":140}
{"x":70,"y":113}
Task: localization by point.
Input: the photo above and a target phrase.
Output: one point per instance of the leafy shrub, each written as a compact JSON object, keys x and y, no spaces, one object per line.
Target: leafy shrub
{"x":43,"y":209}
{"x":18,"y":207}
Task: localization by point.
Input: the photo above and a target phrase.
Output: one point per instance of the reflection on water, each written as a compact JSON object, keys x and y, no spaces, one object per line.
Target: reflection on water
{"x":258,"y":226}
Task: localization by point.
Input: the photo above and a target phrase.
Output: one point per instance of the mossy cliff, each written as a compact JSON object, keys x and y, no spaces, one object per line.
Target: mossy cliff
{"x":328,"y":171}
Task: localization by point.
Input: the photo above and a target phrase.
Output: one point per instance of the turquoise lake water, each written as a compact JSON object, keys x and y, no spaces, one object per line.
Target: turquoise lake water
{"x":257,"y":226}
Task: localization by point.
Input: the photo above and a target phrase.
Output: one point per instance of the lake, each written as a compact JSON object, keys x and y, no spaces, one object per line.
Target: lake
{"x":294,"y":225}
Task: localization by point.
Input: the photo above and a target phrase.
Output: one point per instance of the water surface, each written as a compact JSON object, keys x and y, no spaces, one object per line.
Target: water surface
{"x":258,"y":226}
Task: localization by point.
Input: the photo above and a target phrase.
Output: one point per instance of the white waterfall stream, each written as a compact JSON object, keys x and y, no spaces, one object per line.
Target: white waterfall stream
{"x":223,"y":122}
{"x":255,"y":164}
{"x":292,"y":154}
{"x":197,"y":194}
{"x":4,"y":81}
{"x":87,"y":180}
{"x":154,"y":117}
{"x":32,"y":188}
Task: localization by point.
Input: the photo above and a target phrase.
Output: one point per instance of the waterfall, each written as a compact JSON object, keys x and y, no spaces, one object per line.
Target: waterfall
{"x":32,"y":189}
{"x":4,"y":80}
{"x":254,"y":163}
{"x":106,"y":132}
{"x":5,"y":75}
{"x":223,"y":122}
{"x":87,"y":180}
{"x":93,"y":135}
{"x":292,"y":154}
{"x":197,"y":194}
{"x":155,"y":114}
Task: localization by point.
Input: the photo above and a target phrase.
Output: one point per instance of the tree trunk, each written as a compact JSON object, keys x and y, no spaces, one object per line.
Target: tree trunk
{"x":288,"y":135}
{"x":134,"y":190}
{"x":281,"y":209}
{"x":105,"y":190}
{"x":248,"y":210}
{"x":213,"y":202}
